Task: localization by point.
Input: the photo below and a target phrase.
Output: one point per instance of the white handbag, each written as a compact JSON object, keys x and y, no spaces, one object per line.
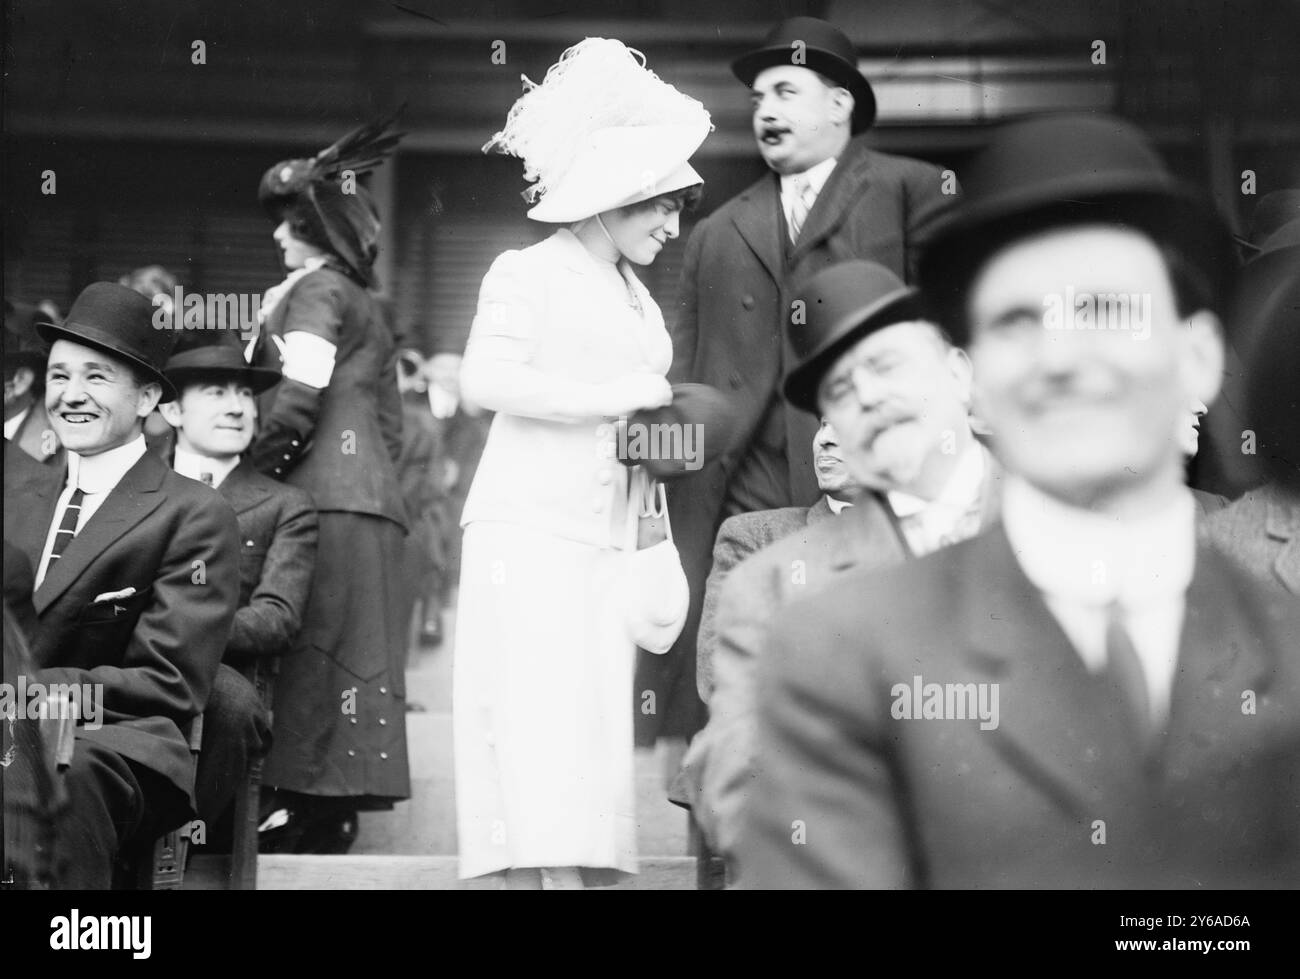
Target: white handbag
{"x":656,"y":597}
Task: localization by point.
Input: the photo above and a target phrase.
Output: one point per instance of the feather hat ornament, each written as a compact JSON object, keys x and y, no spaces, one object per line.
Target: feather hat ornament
{"x":326,"y":207}
{"x":601,"y":131}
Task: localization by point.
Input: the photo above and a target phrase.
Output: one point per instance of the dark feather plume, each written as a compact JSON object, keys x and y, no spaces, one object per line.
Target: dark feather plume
{"x":361,"y":150}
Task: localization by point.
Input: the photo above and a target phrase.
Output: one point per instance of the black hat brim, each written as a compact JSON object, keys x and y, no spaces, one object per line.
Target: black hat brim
{"x":803,"y":380}
{"x":747,"y":67}
{"x":258,"y":378}
{"x":958,"y":243}
{"x":90,"y":335}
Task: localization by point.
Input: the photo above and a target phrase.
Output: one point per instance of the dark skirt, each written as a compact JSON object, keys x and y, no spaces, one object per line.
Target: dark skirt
{"x":339,"y":726}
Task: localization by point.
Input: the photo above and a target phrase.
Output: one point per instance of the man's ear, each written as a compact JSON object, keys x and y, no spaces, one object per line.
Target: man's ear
{"x":843,"y":101}
{"x":171,"y":412}
{"x":150,"y":394}
{"x":959,"y":366}
{"x":23,"y":379}
{"x":1203,"y":356}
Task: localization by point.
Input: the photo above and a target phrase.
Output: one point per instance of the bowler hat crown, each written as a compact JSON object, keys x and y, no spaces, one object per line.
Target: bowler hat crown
{"x":118,"y":320}
{"x":215,"y":353}
{"x":1056,"y":170}
{"x":841,"y":305}
{"x":807,"y":42}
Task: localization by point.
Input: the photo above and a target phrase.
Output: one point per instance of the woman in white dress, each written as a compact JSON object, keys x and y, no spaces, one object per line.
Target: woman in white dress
{"x":554,"y":595}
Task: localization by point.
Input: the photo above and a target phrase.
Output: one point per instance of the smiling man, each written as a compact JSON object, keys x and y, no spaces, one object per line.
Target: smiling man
{"x":1149,"y":726}
{"x":137,"y":572}
{"x":828,"y":198}
{"x":215,"y":417}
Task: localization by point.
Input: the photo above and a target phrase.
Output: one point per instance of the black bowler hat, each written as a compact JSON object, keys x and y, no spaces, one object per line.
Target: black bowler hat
{"x":119,"y":320}
{"x":1050,"y":171}
{"x":807,"y":42}
{"x":204,"y":354}
{"x":843,"y":303}
{"x":22,"y":347}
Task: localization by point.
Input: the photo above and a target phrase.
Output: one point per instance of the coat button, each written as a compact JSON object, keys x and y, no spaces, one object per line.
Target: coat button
{"x":604,"y":477}
{"x":598,"y":504}
{"x":383,"y":690}
{"x":383,"y":722}
{"x":383,"y":756}
{"x":354,"y":720}
{"x":351,"y":753}
{"x":287,"y":457}
{"x":249,"y":543}
{"x":748,"y":302}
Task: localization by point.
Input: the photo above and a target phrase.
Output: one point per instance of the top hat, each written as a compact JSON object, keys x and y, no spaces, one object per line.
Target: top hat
{"x":119,"y":320}
{"x":22,"y":347}
{"x":807,"y":42}
{"x":1055,"y":170}
{"x":843,"y":303}
{"x":203,"y":354}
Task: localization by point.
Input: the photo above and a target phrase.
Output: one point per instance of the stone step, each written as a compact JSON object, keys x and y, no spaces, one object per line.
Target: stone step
{"x":281,"y":872}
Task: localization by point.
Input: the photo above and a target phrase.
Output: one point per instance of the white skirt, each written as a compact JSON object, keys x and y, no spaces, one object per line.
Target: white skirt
{"x":542,"y":699}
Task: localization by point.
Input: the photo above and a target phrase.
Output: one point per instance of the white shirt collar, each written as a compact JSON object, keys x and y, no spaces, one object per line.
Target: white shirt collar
{"x":1094,"y":559}
{"x":193,"y":465}
{"x":100,"y":473}
{"x":961,"y":492}
{"x":815,"y":175}
{"x":837,"y":506}
{"x":14,"y":423}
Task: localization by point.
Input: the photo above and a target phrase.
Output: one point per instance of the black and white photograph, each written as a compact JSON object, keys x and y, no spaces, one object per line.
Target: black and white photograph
{"x":651,"y":445}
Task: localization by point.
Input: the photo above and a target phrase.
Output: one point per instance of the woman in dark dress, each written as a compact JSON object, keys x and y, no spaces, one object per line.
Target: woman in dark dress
{"x":333,"y":428}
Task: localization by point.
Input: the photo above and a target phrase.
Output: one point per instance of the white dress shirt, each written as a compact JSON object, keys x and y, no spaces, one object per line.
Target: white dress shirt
{"x":193,"y":465}
{"x":950,"y":517}
{"x":96,"y":476}
{"x":837,"y":506}
{"x":14,"y":423}
{"x":816,"y":177}
{"x":1083,"y":561}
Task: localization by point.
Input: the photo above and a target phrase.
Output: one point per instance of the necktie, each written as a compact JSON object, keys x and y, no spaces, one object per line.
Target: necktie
{"x":67,"y":526}
{"x":205,"y":478}
{"x":800,"y":206}
{"x":1125,"y":678}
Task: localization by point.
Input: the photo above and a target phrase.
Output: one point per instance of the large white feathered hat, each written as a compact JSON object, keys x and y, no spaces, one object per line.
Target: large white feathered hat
{"x":601,"y":131}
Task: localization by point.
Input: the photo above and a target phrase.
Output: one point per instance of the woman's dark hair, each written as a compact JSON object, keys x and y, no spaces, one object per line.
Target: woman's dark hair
{"x":686,"y":199}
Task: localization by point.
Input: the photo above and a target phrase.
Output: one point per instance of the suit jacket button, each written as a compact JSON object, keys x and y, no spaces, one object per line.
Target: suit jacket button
{"x":351,"y":753}
{"x":604,"y":477}
{"x":287,"y":457}
{"x":383,"y":756}
{"x":597,"y":504}
{"x":383,"y":722}
{"x":383,"y":690}
{"x":748,"y":302}
{"x":249,"y":544}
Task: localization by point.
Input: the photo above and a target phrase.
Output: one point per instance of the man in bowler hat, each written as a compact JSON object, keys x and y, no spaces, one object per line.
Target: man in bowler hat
{"x":898,"y":395}
{"x":828,"y":198}
{"x":137,"y":580}
{"x":215,"y":417}
{"x":1083,"y":695}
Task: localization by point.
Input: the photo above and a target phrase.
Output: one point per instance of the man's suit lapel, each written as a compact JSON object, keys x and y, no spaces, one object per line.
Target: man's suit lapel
{"x":844,"y":186}
{"x":758,"y":225}
{"x":1051,"y":726}
{"x":871,"y":536}
{"x":133,"y":499}
{"x":1222,"y":654}
{"x":239,"y":489}
{"x":1283,"y":525}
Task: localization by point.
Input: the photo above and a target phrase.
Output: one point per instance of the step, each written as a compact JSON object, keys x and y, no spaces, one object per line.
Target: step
{"x":281,"y":872}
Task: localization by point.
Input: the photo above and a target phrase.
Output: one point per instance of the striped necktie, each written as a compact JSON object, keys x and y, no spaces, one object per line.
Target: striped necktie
{"x":800,"y":206}
{"x":67,"y":526}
